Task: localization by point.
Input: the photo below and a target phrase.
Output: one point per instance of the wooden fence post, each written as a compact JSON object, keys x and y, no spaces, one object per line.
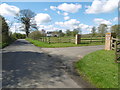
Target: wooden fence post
{"x":78,"y":39}
{"x":49,"y":40}
{"x":108,"y":41}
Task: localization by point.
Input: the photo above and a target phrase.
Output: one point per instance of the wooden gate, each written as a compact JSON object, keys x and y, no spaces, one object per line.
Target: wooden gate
{"x":115,"y":45}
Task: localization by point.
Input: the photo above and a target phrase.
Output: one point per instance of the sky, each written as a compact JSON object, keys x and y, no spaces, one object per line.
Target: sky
{"x":52,"y":16}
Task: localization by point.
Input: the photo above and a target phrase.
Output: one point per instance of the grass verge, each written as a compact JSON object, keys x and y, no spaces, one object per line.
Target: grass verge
{"x":58,"y":45}
{"x":99,"y":69}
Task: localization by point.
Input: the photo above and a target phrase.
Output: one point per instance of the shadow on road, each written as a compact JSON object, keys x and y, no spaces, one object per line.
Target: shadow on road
{"x":30,"y":69}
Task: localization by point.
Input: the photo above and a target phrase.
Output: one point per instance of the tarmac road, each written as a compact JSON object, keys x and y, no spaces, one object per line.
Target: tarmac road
{"x":27,"y":66}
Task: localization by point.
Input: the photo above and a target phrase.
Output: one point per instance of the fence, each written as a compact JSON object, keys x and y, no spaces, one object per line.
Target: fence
{"x":115,"y":45}
{"x":57,"y":39}
{"x":83,"y":40}
{"x":92,"y":39}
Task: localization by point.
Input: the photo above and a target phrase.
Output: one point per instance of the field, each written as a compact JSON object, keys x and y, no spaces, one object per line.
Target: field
{"x":99,"y":69}
{"x":58,"y":45}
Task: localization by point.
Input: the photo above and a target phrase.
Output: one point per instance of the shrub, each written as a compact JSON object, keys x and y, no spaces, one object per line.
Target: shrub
{"x":35,"y":35}
{"x":18,"y":36}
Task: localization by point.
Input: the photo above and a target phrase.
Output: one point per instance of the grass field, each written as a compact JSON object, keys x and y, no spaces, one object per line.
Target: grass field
{"x":57,"y":45}
{"x":99,"y":69}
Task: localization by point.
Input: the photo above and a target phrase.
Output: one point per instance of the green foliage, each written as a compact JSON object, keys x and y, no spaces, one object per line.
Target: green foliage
{"x":25,"y":17}
{"x":102,"y":29}
{"x":74,"y":32}
{"x":99,"y":68}
{"x":68,"y":33}
{"x":18,"y":36}
{"x":115,"y":29}
{"x":61,"y":34}
{"x":5,"y":31}
{"x":6,"y":38}
{"x":93,"y":31}
{"x":35,"y":35}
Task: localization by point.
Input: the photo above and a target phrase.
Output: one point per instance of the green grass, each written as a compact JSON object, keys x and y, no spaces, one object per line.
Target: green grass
{"x":99,"y":69}
{"x":2,"y":45}
{"x":57,"y":45}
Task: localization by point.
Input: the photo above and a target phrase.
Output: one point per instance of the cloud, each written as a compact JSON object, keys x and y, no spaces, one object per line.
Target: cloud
{"x":85,"y":28}
{"x":58,"y":12}
{"x":42,"y":18}
{"x":48,"y":27}
{"x":72,"y":23}
{"x":102,"y":6}
{"x":102,"y":21}
{"x":115,"y":19}
{"x":70,"y":8}
{"x":65,"y":13}
{"x":53,"y":8}
{"x":17,"y":27}
{"x":45,"y":9}
{"x":66,"y":18}
{"x":8,"y":10}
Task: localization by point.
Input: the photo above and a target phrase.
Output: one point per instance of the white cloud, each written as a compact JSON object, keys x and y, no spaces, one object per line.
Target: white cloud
{"x":72,"y":23}
{"x":42,"y":18}
{"x":115,"y":19}
{"x":8,"y":10}
{"x":102,"y":21}
{"x":58,"y":12}
{"x":66,"y":18}
{"x":102,"y":6}
{"x":45,"y":9}
{"x":85,"y":28}
{"x":70,"y":8}
{"x":48,"y":27}
{"x":17,"y":27}
{"x":65,"y":13}
{"x":53,"y":8}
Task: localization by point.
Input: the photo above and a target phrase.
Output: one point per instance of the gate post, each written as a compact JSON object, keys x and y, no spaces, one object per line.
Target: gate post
{"x":77,"y":39}
{"x":108,"y":41}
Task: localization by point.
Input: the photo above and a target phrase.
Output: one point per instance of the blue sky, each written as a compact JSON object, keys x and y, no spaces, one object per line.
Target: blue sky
{"x":78,"y":14}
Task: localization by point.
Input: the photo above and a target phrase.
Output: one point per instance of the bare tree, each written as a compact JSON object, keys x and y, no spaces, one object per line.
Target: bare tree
{"x":25,"y":16}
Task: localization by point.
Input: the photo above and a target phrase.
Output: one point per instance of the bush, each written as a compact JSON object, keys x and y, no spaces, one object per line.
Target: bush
{"x":18,"y":36}
{"x":35,"y":35}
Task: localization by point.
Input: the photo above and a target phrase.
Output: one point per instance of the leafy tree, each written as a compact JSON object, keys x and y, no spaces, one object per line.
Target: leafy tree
{"x":18,"y":36}
{"x":68,"y":32}
{"x":93,"y":31}
{"x":35,"y":35}
{"x":25,"y":16}
{"x":75,"y":31}
{"x":4,"y":31}
{"x":115,"y":29}
{"x":61,"y":34}
{"x":102,"y":29}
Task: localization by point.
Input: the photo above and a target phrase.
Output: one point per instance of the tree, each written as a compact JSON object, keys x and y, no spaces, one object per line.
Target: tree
{"x":35,"y":35}
{"x":4,"y":31}
{"x":25,"y":16}
{"x":61,"y":34}
{"x":93,"y":31}
{"x":68,"y":32}
{"x":75,"y":31}
{"x":102,"y":29}
{"x":115,"y":29}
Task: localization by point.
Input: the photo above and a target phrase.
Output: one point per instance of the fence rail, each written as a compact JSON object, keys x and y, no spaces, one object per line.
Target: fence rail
{"x":70,"y":39}
{"x":115,"y":45}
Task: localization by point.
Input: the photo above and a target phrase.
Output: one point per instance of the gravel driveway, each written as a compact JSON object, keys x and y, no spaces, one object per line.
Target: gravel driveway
{"x":27,"y":66}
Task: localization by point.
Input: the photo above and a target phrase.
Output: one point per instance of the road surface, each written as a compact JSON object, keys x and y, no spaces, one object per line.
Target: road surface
{"x":27,"y":66}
